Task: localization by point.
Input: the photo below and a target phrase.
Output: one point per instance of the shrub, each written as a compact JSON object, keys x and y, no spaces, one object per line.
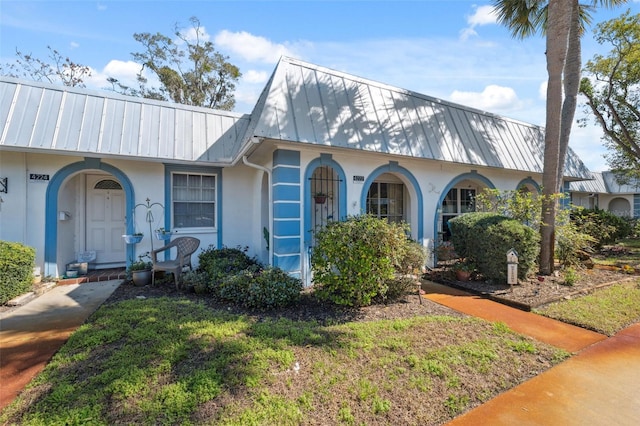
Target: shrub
{"x":355,"y":261}
{"x":16,"y":269}
{"x":269,"y":288}
{"x":604,"y":227}
{"x":198,"y":280}
{"x":570,"y":242}
{"x":272,"y":288}
{"x":485,"y":238}
{"x":221,"y":262}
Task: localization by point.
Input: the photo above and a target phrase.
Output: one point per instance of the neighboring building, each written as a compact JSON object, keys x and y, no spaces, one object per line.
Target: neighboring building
{"x":81,"y":164}
{"x":604,"y":192}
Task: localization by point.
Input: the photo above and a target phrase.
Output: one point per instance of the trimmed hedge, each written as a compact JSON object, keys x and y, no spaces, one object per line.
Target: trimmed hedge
{"x":485,"y":238}
{"x":16,"y":269}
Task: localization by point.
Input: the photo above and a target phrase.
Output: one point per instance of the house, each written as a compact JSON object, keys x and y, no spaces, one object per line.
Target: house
{"x":605,"y":192}
{"x":84,"y":167}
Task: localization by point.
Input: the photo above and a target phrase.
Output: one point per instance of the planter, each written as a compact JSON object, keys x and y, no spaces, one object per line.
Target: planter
{"x":463,"y":275}
{"x":132,"y":239}
{"x":320,"y":199}
{"x":142,"y":277}
{"x":163,"y":236}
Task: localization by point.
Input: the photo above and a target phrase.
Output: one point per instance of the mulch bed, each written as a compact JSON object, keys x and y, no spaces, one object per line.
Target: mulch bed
{"x":534,"y":292}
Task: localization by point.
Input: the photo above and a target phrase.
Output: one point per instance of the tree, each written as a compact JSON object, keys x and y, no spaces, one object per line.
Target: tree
{"x":563,"y":22}
{"x":60,"y":70}
{"x":612,"y":90}
{"x":189,"y":69}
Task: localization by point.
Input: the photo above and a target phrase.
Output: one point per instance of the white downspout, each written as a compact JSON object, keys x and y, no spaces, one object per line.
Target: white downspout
{"x":268,"y":172}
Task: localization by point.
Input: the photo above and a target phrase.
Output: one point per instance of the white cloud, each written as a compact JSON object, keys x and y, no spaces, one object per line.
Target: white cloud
{"x":250,"y":47}
{"x":124,"y":71}
{"x":493,"y":98}
{"x":74,"y":45}
{"x":542,"y":90}
{"x":192,"y":34}
{"x":254,"y":76}
{"x":482,"y":15}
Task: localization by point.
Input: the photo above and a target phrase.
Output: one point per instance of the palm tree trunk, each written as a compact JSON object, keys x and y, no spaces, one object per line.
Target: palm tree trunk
{"x":571,"y":85}
{"x":558,"y":26}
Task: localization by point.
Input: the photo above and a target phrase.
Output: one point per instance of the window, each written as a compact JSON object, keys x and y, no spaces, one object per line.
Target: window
{"x":193,"y":200}
{"x":457,"y":201}
{"x":386,"y":200}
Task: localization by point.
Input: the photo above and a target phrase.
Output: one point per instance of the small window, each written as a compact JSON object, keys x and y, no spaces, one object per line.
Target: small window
{"x":108,"y":184}
{"x":193,"y":200}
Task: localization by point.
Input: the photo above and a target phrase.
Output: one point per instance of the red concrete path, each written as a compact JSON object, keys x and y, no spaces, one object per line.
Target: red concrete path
{"x":599,"y":386}
{"x":555,"y":333}
{"x":33,"y":333}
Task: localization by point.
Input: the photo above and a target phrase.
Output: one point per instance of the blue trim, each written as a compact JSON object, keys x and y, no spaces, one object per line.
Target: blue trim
{"x":636,"y":205}
{"x":286,"y":215}
{"x":323,"y":160}
{"x":473,"y":175}
{"x":393,"y":167}
{"x":168,"y":186}
{"x":529,"y":181}
{"x":51,"y":207}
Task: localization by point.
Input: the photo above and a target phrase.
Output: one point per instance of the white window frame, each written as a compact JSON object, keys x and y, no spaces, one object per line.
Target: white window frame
{"x":214,"y":201}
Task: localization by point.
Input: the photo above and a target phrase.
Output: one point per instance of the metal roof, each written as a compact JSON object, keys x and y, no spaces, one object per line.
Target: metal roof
{"x":605,"y":183}
{"x":47,"y":117}
{"x":310,"y":104}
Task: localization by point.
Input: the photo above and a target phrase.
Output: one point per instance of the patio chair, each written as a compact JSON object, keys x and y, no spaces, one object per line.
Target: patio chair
{"x":185,"y":247}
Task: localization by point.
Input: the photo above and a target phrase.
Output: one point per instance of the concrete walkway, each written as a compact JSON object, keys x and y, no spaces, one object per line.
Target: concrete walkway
{"x":31,"y":334}
{"x":598,"y":386}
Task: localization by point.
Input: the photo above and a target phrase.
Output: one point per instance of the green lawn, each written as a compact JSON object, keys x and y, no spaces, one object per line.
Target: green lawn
{"x":607,"y":310}
{"x":176,"y":361}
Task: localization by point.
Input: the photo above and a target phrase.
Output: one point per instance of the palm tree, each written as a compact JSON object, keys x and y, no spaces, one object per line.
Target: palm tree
{"x":563,"y":22}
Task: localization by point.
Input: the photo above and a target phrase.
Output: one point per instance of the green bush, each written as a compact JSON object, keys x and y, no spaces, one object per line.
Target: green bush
{"x":355,"y":261}
{"x":269,"y":288}
{"x":272,"y":288}
{"x":219,"y":263}
{"x":603,"y":226}
{"x":16,"y":269}
{"x":485,"y":239}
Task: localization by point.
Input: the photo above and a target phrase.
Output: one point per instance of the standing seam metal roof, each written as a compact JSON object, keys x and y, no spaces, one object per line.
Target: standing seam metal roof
{"x":306,"y":103}
{"x":48,"y":117}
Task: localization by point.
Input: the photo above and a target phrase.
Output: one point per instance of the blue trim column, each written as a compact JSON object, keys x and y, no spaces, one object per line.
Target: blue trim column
{"x":51,"y":207}
{"x":286,"y":212}
{"x":636,"y":205}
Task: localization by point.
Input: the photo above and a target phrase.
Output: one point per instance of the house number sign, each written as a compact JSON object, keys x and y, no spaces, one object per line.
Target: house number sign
{"x":358,"y":179}
{"x":37,"y":177}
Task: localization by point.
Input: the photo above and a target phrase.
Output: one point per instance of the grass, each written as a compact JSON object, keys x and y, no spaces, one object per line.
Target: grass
{"x":606,"y":311}
{"x":176,"y":361}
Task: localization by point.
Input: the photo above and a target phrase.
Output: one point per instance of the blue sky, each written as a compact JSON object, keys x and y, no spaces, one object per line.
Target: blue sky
{"x":450,"y":49}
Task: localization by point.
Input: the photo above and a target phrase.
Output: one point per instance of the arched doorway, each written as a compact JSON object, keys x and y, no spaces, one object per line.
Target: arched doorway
{"x":86,"y":205}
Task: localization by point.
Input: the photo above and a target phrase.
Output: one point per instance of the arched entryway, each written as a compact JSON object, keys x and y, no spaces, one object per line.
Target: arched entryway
{"x":393,"y":193}
{"x":86,"y":205}
{"x":457,"y":198}
{"x":620,"y":207}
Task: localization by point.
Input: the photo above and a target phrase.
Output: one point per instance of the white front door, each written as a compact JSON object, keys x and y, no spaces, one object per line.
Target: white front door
{"x":105,"y":222}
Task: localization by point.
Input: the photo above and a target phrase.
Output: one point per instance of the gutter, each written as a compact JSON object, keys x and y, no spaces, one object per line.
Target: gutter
{"x":270,"y":201}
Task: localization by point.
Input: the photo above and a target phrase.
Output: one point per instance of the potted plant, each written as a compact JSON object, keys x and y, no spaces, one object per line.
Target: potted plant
{"x":320,"y":197}
{"x":141,"y":270}
{"x":163,"y":234}
{"x":133,"y":238}
{"x":464,"y":269}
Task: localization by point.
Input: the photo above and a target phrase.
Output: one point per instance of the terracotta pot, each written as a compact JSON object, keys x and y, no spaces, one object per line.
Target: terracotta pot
{"x":320,"y":199}
{"x":463,"y":275}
